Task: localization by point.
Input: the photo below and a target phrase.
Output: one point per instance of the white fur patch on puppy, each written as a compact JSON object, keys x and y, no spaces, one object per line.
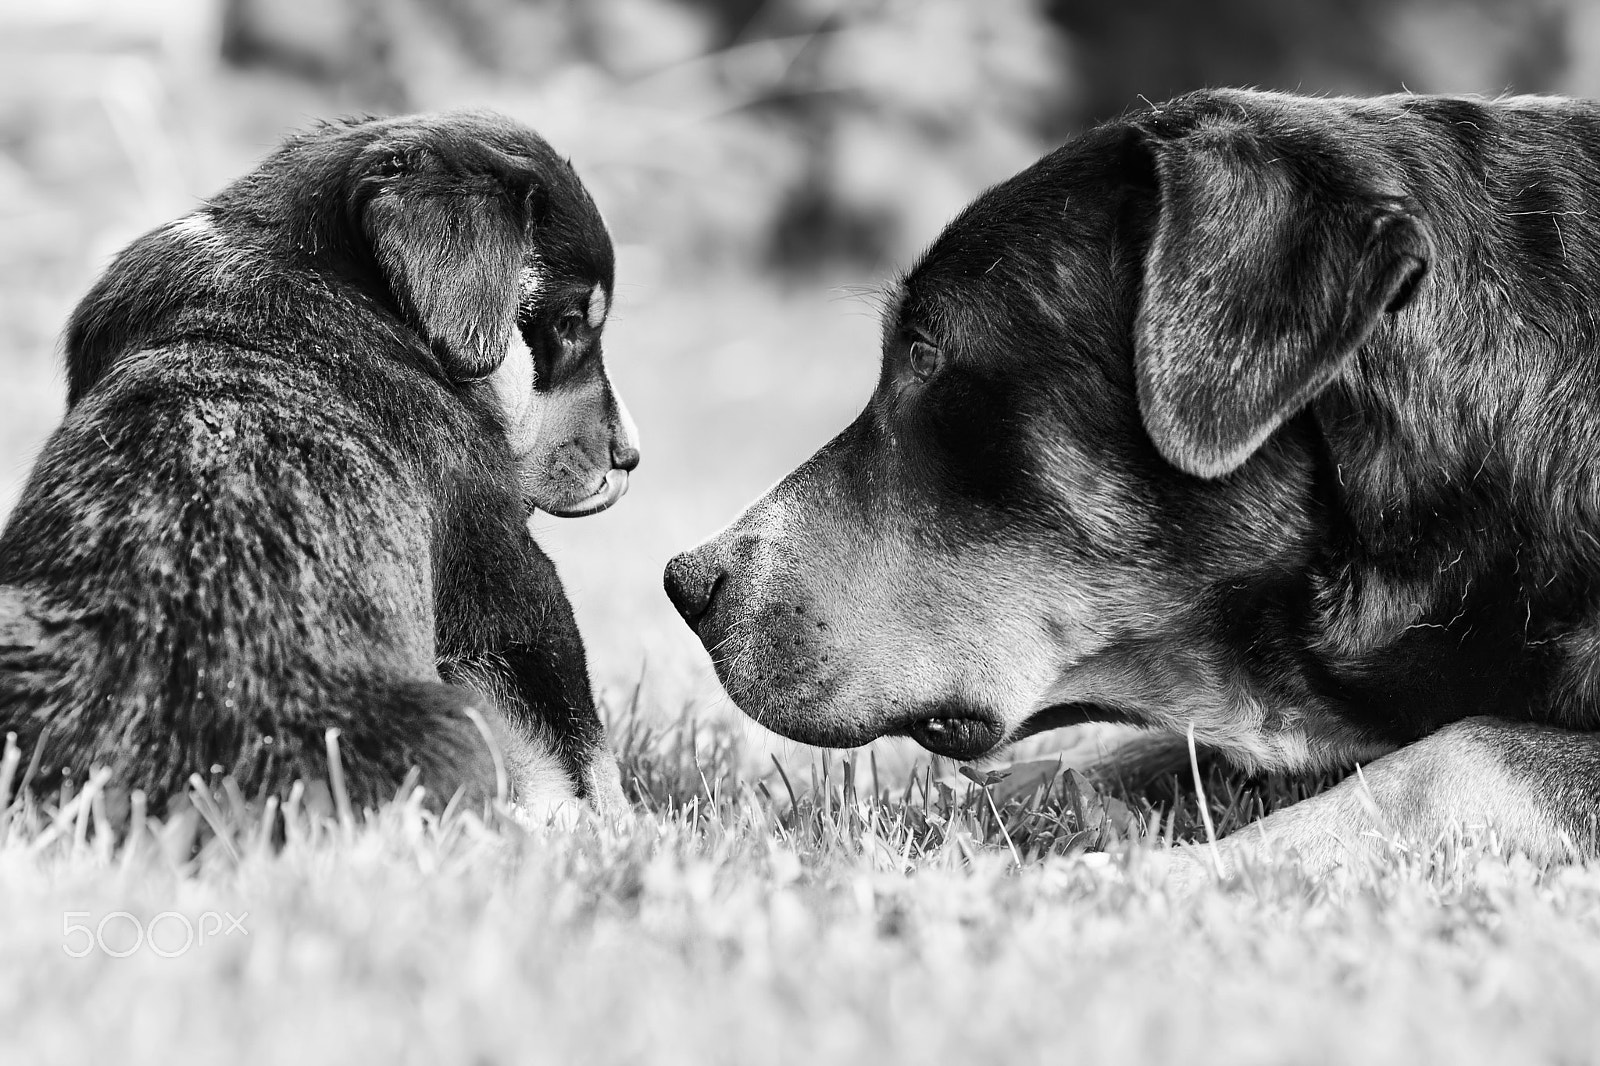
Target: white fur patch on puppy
{"x":536,"y":784}
{"x":542,"y":795}
{"x":599,"y":307}
{"x":529,"y":282}
{"x":538,"y":791}
{"x":514,"y":380}
{"x":521,"y":406}
{"x":627,"y":429}
{"x":199,"y":227}
{"x":212,"y":253}
{"x":603,"y":780}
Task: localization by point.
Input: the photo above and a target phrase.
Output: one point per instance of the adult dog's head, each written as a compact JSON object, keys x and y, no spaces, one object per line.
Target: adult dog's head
{"x":465,"y":228}
{"x":1080,"y":461}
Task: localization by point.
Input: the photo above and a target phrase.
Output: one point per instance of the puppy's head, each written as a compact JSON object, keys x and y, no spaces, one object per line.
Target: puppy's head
{"x":464,"y":228}
{"x":494,"y":252}
{"x":1075,"y":469}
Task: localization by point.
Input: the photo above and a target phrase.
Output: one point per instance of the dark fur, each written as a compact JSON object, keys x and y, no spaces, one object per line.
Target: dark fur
{"x":1301,"y":397}
{"x":279,"y":501}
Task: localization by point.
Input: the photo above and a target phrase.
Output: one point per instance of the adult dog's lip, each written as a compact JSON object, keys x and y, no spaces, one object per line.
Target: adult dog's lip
{"x":958,"y":735}
{"x":610,"y":491}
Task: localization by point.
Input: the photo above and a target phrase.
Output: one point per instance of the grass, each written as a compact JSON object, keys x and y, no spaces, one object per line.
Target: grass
{"x":805,"y":914}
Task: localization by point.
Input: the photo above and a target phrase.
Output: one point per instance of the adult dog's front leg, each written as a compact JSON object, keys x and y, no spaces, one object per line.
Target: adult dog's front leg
{"x":1535,"y":788}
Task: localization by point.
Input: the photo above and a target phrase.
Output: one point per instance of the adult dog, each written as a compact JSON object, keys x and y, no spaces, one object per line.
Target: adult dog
{"x":306,"y":427}
{"x":1271,"y":416}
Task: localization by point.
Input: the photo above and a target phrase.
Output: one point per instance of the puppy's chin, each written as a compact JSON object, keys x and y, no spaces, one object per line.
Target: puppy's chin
{"x":576,"y":502}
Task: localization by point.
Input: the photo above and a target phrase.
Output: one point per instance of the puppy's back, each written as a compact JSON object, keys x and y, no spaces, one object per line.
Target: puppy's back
{"x":228,"y":555}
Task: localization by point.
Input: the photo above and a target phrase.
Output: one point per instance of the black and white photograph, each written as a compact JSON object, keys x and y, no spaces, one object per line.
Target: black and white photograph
{"x":799,"y":531}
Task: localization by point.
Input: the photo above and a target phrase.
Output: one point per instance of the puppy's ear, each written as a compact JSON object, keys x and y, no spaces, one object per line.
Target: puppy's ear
{"x":1258,"y":286}
{"x":451,"y":241}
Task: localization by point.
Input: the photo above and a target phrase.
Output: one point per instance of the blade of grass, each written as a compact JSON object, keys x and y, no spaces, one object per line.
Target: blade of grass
{"x":1205,"y":808}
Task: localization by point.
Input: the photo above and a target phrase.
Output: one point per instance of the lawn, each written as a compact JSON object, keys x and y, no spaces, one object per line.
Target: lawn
{"x":727,"y":923}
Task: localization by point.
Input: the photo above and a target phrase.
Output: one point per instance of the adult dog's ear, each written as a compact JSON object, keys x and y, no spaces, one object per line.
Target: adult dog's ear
{"x":1262,"y":277}
{"x":451,"y":240}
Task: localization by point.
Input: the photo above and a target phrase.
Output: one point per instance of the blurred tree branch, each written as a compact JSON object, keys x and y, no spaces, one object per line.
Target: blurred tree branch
{"x":853,"y":128}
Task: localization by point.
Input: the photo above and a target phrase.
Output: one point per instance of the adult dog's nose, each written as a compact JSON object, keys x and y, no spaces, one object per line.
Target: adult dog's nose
{"x":691,"y":585}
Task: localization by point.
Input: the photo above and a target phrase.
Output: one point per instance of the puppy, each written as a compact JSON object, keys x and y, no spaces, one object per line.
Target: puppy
{"x":306,"y":427}
{"x":1272,"y":417}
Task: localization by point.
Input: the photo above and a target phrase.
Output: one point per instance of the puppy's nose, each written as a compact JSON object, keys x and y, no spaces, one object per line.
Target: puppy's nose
{"x":624,"y":456}
{"x":691,"y":585}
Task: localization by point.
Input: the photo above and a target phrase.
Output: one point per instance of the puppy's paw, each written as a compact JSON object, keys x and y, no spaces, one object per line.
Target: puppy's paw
{"x":545,"y":797}
{"x":603,"y":785}
{"x":541,"y":814}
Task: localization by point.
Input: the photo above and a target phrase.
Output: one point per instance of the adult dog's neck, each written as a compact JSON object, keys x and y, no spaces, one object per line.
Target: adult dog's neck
{"x":1464,"y":496}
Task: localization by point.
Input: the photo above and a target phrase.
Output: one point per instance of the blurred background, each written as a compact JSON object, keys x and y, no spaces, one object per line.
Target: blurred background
{"x":765,"y":166}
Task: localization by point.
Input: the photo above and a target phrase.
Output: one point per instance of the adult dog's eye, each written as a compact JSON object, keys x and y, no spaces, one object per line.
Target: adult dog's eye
{"x":925,"y":359}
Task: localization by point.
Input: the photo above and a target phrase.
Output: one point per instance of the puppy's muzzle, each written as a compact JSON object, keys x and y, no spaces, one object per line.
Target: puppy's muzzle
{"x":611,"y":490}
{"x":624,"y":458}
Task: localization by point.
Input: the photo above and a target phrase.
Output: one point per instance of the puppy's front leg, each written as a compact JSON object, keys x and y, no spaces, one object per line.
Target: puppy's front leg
{"x":1536,"y":788}
{"x":506,"y":629}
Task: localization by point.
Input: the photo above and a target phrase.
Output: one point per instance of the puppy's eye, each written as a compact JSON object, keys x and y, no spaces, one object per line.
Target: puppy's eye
{"x":569,"y":326}
{"x":925,"y":359}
